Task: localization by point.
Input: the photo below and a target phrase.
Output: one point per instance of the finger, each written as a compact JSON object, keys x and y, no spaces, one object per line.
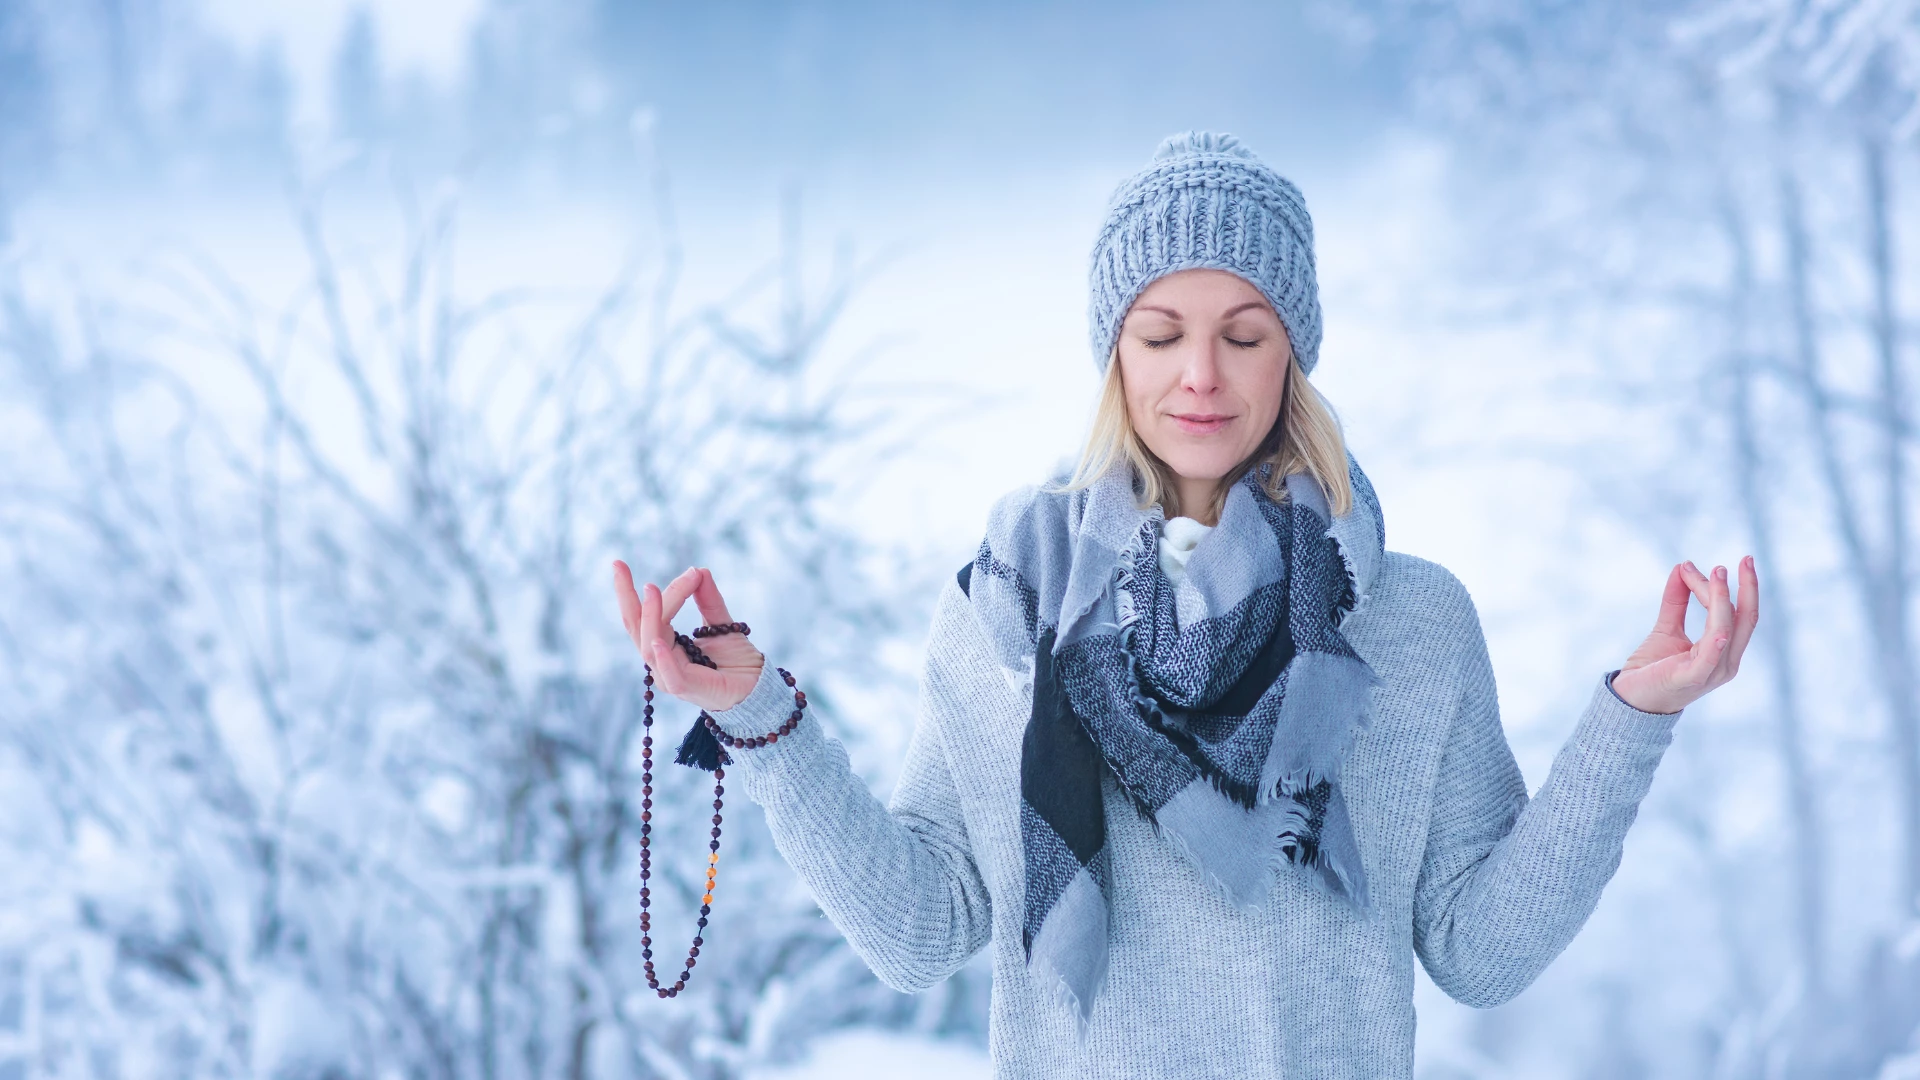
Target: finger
{"x":1672,"y":618}
{"x":629,"y":600}
{"x":1719,"y":606}
{"x":1697,"y":584}
{"x":1707,"y":669}
{"x":653,"y":629}
{"x":713,"y":609}
{"x":677,"y":591}
{"x":1746,"y":614}
{"x":1699,"y":665}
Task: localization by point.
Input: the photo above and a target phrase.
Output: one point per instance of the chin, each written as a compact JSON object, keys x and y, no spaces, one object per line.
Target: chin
{"x":1200,"y":467}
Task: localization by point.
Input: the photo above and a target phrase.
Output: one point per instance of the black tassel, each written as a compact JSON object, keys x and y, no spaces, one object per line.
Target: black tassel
{"x":699,"y":749}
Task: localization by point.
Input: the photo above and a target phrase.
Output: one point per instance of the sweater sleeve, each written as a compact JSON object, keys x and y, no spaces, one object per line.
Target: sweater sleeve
{"x":1507,"y":881}
{"x":898,"y":880}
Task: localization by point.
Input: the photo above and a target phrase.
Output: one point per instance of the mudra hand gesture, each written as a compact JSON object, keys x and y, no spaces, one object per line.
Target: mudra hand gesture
{"x":1668,"y":672}
{"x":649,"y":621}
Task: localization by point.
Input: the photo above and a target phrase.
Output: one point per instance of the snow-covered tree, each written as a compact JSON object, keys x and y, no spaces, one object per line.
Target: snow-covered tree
{"x":1707,"y":200}
{"x":319,"y":732}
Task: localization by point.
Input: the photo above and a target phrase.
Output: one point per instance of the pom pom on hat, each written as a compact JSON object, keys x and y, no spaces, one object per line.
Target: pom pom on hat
{"x":1201,"y":142}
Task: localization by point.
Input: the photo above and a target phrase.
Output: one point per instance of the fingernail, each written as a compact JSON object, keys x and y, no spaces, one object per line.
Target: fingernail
{"x":1692,"y":567}
{"x":1720,"y":572}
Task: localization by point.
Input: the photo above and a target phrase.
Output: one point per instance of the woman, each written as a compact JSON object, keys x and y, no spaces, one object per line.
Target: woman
{"x":1205,"y":763}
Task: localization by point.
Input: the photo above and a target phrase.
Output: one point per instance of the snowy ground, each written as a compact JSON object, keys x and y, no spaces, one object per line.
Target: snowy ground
{"x":863,"y":1055}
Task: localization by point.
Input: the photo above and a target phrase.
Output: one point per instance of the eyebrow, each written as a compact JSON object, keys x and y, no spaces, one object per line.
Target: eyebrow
{"x":1176,"y":315}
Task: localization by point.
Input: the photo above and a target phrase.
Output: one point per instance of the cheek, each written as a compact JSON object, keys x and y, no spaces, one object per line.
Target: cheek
{"x":1145,"y":387}
{"x":1259,"y":385}
{"x":1271,"y":391}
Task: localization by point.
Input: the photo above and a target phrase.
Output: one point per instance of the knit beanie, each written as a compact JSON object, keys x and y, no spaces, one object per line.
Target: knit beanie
{"x":1206,"y":200}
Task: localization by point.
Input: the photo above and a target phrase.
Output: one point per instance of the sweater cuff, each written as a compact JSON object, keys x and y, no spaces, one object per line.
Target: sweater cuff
{"x":1623,"y":701}
{"x":1613,"y":725}
{"x":767,"y":706}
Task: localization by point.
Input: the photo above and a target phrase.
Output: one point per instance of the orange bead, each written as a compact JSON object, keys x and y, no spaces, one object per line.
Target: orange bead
{"x":714,"y":857}
{"x":707,"y":899}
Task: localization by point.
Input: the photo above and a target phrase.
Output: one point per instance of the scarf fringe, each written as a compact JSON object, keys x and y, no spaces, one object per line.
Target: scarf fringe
{"x":1337,"y":868}
{"x":1062,"y":994}
{"x":1328,"y":870}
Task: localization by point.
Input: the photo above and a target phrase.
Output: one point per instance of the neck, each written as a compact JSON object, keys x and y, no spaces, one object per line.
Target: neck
{"x":1196,"y":499}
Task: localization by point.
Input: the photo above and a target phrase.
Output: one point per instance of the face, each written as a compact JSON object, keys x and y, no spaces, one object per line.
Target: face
{"x":1203,"y":360}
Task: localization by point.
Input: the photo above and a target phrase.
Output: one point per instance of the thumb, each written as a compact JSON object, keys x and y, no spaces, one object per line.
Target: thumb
{"x":1690,"y":670}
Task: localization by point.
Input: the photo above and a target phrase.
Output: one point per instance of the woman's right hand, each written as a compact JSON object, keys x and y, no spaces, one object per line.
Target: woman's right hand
{"x":649,"y":621}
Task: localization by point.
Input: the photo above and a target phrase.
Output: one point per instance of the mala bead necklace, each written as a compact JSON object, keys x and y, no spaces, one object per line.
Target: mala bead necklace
{"x":700,"y":749}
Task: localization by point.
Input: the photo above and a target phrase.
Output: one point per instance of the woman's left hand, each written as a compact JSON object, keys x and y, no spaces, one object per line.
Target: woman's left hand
{"x":1668,"y":672}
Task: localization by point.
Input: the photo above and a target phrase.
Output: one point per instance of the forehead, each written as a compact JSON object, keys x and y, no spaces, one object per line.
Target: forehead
{"x":1199,"y":290}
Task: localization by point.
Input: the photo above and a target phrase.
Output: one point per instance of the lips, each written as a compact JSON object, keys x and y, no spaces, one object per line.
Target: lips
{"x":1201,"y":423}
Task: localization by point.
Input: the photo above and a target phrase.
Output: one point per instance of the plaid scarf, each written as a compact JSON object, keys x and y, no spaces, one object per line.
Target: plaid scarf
{"x":1227,"y":734}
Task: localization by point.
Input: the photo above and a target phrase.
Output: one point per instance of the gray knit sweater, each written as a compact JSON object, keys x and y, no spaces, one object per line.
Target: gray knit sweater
{"x":1485,"y":885}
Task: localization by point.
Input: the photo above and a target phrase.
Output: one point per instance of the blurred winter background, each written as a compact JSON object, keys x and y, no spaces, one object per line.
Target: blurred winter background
{"x":343,"y":347}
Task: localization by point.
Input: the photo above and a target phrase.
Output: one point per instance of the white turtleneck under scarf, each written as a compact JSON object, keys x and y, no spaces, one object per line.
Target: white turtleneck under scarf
{"x":1178,"y":536}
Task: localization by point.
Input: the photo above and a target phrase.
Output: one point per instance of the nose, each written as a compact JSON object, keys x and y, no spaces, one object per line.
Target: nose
{"x":1200,"y":375}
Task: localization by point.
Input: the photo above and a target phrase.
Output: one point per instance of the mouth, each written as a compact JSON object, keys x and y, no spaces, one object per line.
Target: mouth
{"x":1201,"y":423}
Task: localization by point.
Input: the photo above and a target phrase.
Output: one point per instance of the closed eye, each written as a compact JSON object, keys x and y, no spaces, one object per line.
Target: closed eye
{"x":1161,"y":343}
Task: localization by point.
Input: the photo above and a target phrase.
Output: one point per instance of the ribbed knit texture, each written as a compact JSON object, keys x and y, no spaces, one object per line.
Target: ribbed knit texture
{"x":1205,"y":200}
{"x":1483,"y":884}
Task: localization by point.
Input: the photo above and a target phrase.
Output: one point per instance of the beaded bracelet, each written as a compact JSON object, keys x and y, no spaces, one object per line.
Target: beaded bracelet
{"x":771,"y":737}
{"x":719,"y":774}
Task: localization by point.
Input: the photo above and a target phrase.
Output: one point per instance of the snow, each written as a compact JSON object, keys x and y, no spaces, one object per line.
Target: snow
{"x":877,"y":1055}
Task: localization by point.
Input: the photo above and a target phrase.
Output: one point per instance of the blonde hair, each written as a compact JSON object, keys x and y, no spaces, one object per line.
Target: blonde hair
{"x":1306,"y":438}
